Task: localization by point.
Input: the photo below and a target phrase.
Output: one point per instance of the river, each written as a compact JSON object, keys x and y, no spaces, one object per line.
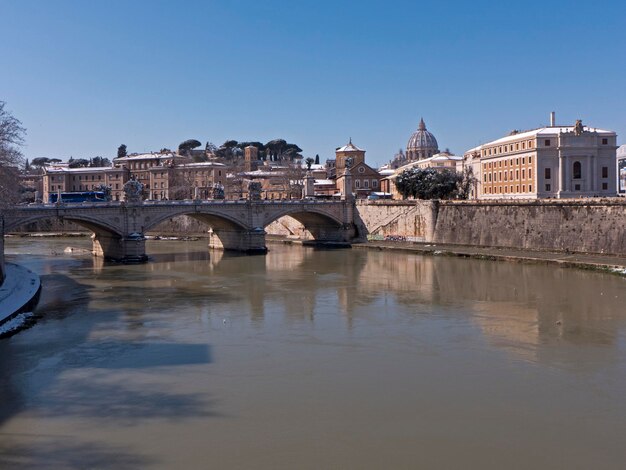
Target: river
{"x":309,"y":359}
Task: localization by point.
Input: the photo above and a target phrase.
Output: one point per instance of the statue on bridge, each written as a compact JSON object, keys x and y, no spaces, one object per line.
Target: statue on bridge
{"x":133,"y":190}
{"x":254,"y":191}
{"x":218,"y":191}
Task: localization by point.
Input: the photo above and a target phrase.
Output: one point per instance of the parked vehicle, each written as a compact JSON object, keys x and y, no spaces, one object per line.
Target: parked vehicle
{"x":85,"y":196}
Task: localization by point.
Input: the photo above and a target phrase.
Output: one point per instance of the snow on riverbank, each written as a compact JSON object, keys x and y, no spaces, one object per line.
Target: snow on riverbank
{"x":18,"y":322}
{"x":18,"y":292}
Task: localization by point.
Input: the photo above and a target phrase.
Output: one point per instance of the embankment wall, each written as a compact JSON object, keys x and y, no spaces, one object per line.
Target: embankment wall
{"x":589,"y":225}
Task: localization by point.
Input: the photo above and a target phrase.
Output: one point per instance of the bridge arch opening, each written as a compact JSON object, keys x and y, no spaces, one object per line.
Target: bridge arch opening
{"x":310,"y":226}
{"x":223,"y":232}
{"x":107,"y":240}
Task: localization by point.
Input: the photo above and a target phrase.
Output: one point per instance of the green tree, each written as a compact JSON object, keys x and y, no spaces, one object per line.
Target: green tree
{"x":121,"y":151}
{"x":99,"y":162}
{"x":78,"y":163}
{"x":187,"y":145}
{"x":429,"y":183}
{"x":309,"y":161}
{"x":317,"y":159}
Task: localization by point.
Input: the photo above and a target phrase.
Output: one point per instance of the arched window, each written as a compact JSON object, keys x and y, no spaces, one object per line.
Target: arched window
{"x":577,"y":170}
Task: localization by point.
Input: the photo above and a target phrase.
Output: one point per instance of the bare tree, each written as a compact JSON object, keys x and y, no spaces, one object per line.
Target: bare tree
{"x":11,"y":138}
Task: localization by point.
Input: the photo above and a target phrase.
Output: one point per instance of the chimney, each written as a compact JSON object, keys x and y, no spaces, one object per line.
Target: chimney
{"x":552,"y":119}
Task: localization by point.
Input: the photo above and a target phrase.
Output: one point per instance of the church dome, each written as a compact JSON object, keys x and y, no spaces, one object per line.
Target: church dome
{"x":422,"y":144}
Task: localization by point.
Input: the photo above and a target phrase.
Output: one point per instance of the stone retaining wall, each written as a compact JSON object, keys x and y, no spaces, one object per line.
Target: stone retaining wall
{"x":589,"y":225}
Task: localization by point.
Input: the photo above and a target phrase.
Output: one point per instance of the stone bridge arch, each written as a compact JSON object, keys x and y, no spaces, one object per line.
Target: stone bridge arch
{"x":228,"y":225}
{"x":322,"y":223}
{"x":109,"y":239}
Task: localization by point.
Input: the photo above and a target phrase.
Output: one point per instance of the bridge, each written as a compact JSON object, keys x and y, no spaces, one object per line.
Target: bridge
{"x":119,"y":227}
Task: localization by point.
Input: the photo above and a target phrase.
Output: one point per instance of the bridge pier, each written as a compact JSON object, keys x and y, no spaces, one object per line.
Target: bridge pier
{"x":246,"y":241}
{"x":326,"y":234}
{"x":131,"y":248}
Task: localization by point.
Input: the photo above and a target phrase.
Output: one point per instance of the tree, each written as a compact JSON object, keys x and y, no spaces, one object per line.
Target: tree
{"x":11,"y":139}
{"x":99,"y":162}
{"x":317,"y":159}
{"x":275,"y":148}
{"x":40,"y":161}
{"x":210,"y":148}
{"x":429,"y":183}
{"x":121,"y":151}
{"x":187,"y":145}
{"x":78,"y":163}
{"x":309,"y":161}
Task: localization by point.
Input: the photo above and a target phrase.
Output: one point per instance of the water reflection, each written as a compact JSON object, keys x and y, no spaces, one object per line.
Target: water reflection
{"x":384,"y":357}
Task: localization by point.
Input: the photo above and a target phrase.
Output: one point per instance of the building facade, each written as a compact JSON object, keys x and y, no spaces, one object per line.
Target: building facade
{"x":163,"y":175}
{"x":363,"y":179}
{"x":61,"y":179}
{"x":550,"y":162}
{"x":621,"y":170}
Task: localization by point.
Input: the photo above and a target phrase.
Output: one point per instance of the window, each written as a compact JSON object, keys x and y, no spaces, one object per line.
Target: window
{"x":490,"y":177}
{"x":547,"y":173}
{"x":530,"y":188}
{"x":374,"y":183}
{"x":485,"y":177}
{"x":577,"y":187}
{"x":357,"y":184}
{"x":517,"y":188}
{"x":530,"y":160}
{"x":523,"y":188}
{"x":516,"y":174}
{"x":605,"y":172}
{"x":605,"y":141}
{"x":523,"y":160}
{"x":506,"y":189}
{"x":523,"y":145}
{"x":516,"y":146}
{"x":577,"y":171}
{"x":546,"y":142}
{"x":366,"y":184}
{"x":523,"y":173}
{"x":548,"y":187}
{"x":605,"y":186}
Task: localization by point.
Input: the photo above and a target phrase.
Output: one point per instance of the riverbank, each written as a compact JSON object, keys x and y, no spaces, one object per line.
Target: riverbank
{"x":18,"y":293}
{"x":612,"y":264}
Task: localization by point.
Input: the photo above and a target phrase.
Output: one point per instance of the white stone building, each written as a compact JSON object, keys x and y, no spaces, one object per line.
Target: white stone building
{"x":621,"y":170}
{"x":550,"y":162}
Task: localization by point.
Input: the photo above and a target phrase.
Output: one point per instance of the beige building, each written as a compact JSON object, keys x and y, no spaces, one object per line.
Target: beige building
{"x":550,"y":162}
{"x":164,"y":176}
{"x":61,"y":179}
{"x":364,"y":178}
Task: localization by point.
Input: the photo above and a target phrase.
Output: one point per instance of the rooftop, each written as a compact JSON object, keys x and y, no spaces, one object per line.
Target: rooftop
{"x":542,"y":131}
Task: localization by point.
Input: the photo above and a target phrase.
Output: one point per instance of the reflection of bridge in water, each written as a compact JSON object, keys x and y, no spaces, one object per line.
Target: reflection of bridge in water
{"x":119,"y":228}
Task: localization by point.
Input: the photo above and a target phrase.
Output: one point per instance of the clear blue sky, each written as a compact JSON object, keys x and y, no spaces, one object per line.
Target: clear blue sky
{"x":86,"y":76}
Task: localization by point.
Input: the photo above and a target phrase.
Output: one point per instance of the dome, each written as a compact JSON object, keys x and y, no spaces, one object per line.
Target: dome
{"x":422,"y":144}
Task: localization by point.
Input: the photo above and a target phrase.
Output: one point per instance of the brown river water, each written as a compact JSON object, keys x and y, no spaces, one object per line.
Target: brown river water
{"x":313,"y":359}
